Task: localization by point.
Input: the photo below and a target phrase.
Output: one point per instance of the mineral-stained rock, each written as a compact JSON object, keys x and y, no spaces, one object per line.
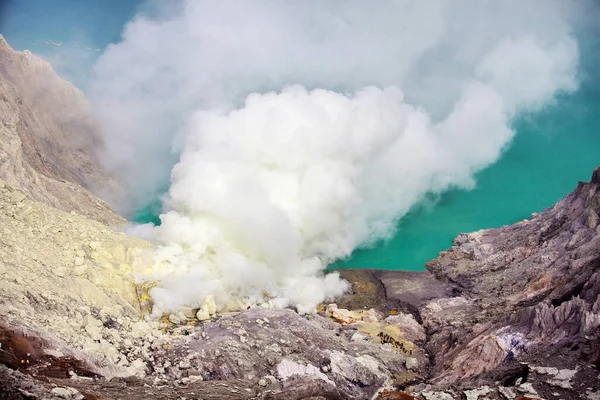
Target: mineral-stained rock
{"x":346,"y":317}
{"x":209,"y":305}
{"x":40,"y":292}
{"x":203,"y":313}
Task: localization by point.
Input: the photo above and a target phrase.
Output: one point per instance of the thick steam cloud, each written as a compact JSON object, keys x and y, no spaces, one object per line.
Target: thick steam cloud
{"x":306,"y":130}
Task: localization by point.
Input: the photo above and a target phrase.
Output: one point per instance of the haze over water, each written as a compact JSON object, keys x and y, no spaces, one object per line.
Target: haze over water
{"x":552,"y":150}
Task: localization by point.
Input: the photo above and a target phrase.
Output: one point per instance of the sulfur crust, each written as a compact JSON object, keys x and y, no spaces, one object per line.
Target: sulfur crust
{"x":56,"y":268}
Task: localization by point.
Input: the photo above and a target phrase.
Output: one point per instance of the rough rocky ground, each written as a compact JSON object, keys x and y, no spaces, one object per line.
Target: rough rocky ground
{"x":61,"y":274}
{"x":47,"y":138}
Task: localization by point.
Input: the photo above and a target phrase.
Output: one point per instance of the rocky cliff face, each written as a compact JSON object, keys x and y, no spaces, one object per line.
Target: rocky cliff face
{"x":529,"y":289}
{"x":508,"y":306}
{"x":47,"y":137}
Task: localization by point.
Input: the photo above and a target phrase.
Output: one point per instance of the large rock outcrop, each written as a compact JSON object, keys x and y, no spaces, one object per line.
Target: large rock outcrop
{"x":532,"y":287}
{"x":517,"y":304}
{"x":48,"y":137}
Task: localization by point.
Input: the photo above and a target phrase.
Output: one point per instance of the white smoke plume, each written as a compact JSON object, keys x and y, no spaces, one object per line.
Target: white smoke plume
{"x":305,"y":130}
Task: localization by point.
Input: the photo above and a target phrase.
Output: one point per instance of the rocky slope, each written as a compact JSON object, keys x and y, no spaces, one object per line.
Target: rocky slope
{"x":47,"y":137}
{"x":59,"y":273}
{"x":505,"y":313}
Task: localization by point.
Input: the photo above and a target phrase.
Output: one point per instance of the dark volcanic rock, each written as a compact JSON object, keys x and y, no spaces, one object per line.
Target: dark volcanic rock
{"x":528,"y":292}
{"x":391,"y":290}
{"x":525,"y":286}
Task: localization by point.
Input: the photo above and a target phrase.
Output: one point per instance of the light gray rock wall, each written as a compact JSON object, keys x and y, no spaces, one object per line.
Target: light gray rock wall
{"x":48,"y":137}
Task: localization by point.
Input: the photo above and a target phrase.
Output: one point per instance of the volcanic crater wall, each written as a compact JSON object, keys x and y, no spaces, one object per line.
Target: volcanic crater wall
{"x":48,"y":137}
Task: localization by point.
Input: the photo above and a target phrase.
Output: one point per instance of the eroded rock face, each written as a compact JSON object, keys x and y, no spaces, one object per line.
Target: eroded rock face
{"x":526,"y":286}
{"x":48,"y":136}
{"x":525,"y":293}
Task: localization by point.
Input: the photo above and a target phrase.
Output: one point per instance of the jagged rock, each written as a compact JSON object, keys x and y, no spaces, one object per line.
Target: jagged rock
{"x":287,"y":368}
{"x":40,"y":292}
{"x":67,"y":393}
{"x":296,"y":347}
{"x":592,"y":395}
{"x":209,"y":305}
{"x":203,"y":314}
{"x":528,"y":389}
{"x":508,"y":393}
{"x":409,"y":326}
{"x":500,"y":296}
{"x":187,"y":312}
{"x":596,"y":176}
{"x":17,"y":197}
{"x":357,"y":337}
{"x":474,"y":394}
{"x":412,"y":364}
{"x":94,"y":331}
{"x":177,"y":318}
{"x":346,"y":317}
{"x":140,"y":329}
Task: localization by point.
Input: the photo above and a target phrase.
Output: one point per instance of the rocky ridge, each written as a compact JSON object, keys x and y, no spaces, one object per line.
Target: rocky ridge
{"x":509,"y":305}
{"x":47,"y":138}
